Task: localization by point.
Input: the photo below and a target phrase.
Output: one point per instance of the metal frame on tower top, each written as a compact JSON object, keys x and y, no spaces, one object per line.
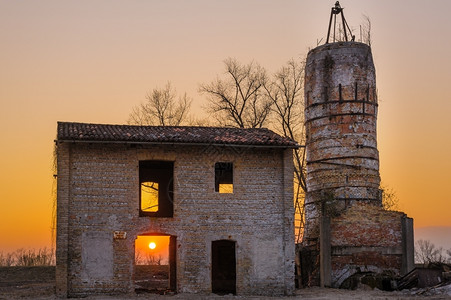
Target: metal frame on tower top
{"x":337,"y":9}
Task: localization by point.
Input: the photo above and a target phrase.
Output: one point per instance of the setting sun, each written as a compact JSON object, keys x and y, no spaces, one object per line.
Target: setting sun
{"x":149,"y":248}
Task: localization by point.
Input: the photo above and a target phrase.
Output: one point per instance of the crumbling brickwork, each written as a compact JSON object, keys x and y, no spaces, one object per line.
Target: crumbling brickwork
{"x":340,"y":118}
{"x":98,"y":194}
{"x":365,"y":238}
{"x":343,"y":202}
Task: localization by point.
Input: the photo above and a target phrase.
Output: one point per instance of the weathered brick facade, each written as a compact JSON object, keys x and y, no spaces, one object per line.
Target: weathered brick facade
{"x":340,"y":117}
{"x":367,"y":238}
{"x":98,"y":195}
{"x":347,"y":230}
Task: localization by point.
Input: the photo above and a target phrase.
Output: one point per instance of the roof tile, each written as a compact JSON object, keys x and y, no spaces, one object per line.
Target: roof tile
{"x":69,"y":131}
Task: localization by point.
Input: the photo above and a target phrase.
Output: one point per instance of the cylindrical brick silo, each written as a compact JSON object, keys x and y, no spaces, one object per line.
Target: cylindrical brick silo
{"x":340,"y":118}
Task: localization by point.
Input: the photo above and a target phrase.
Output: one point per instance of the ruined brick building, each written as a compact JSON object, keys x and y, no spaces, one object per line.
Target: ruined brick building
{"x":224,"y":196}
{"x":347,"y":230}
{"x":224,"y":199}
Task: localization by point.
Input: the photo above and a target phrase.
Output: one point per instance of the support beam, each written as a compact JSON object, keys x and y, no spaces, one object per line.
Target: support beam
{"x":325,"y":252}
{"x":408,"y":259}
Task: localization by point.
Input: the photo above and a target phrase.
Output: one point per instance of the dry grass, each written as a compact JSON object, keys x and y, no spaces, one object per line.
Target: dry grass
{"x":39,"y":283}
{"x":27,"y":258}
{"x":27,"y":282}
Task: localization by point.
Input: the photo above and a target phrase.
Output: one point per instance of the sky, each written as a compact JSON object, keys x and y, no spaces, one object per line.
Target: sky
{"x":93,"y":61}
{"x":146,"y":253}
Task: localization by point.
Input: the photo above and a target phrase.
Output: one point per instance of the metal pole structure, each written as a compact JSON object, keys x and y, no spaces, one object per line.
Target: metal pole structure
{"x":330,"y":23}
{"x":337,"y":9}
{"x":344,"y":24}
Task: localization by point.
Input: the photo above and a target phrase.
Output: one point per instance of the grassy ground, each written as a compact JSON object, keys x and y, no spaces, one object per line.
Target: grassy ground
{"x":151,"y":277}
{"x":27,"y":282}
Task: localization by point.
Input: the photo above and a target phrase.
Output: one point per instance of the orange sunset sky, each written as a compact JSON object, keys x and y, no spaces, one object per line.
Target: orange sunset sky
{"x":92,"y":61}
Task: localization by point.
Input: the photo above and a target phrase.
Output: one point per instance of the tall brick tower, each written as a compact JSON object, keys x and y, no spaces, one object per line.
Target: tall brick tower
{"x":340,"y":118}
{"x":346,"y":229}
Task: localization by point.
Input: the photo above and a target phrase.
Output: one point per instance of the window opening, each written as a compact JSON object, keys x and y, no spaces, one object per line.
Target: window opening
{"x":224,"y":177}
{"x":156,"y":188}
{"x":149,"y":196}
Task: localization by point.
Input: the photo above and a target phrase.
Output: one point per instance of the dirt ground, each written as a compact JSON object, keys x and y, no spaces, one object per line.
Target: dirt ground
{"x":39,"y":283}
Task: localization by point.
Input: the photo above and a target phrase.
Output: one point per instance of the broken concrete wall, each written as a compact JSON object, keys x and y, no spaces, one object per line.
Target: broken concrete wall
{"x":98,"y":194}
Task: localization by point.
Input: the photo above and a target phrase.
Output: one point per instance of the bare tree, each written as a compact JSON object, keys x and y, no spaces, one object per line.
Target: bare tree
{"x":31,"y":257}
{"x":426,"y":252}
{"x":285,"y":92}
{"x":365,"y":31}
{"x":151,"y":259}
{"x":239,"y":99}
{"x":390,"y":200}
{"x":248,"y":98}
{"x":139,"y":258}
{"x":161,"y":108}
{"x":7,"y":259}
{"x":158,"y":260}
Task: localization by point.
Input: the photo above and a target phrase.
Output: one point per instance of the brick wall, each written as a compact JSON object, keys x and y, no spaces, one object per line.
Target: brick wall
{"x":98,"y":193}
{"x":366,"y":238}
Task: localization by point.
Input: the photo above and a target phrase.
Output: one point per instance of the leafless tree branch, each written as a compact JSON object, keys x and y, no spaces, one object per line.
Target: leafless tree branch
{"x":238,"y":99}
{"x":426,"y":252}
{"x":285,"y":92}
{"x":162,"y":107}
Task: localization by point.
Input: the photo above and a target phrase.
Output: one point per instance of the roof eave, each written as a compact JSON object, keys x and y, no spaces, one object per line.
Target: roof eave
{"x":297,"y":146}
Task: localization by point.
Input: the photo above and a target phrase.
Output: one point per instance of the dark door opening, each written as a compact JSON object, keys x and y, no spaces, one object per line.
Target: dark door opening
{"x":155,"y":264}
{"x":223,"y":269}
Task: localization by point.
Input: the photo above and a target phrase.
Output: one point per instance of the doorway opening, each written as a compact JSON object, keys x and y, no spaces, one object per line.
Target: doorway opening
{"x":155,"y":267}
{"x":223,"y":269}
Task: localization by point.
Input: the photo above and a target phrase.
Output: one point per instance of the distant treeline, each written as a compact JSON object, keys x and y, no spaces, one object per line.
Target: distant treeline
{"x":28,"y":257}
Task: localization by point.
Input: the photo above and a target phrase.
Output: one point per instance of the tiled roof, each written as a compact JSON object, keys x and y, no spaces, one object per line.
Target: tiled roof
{"x":68,"y":131}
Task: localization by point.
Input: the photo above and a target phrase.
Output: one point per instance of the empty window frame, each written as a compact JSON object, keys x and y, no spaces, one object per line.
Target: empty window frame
{"x":156,"y":188}
{"x":224,"y":177}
